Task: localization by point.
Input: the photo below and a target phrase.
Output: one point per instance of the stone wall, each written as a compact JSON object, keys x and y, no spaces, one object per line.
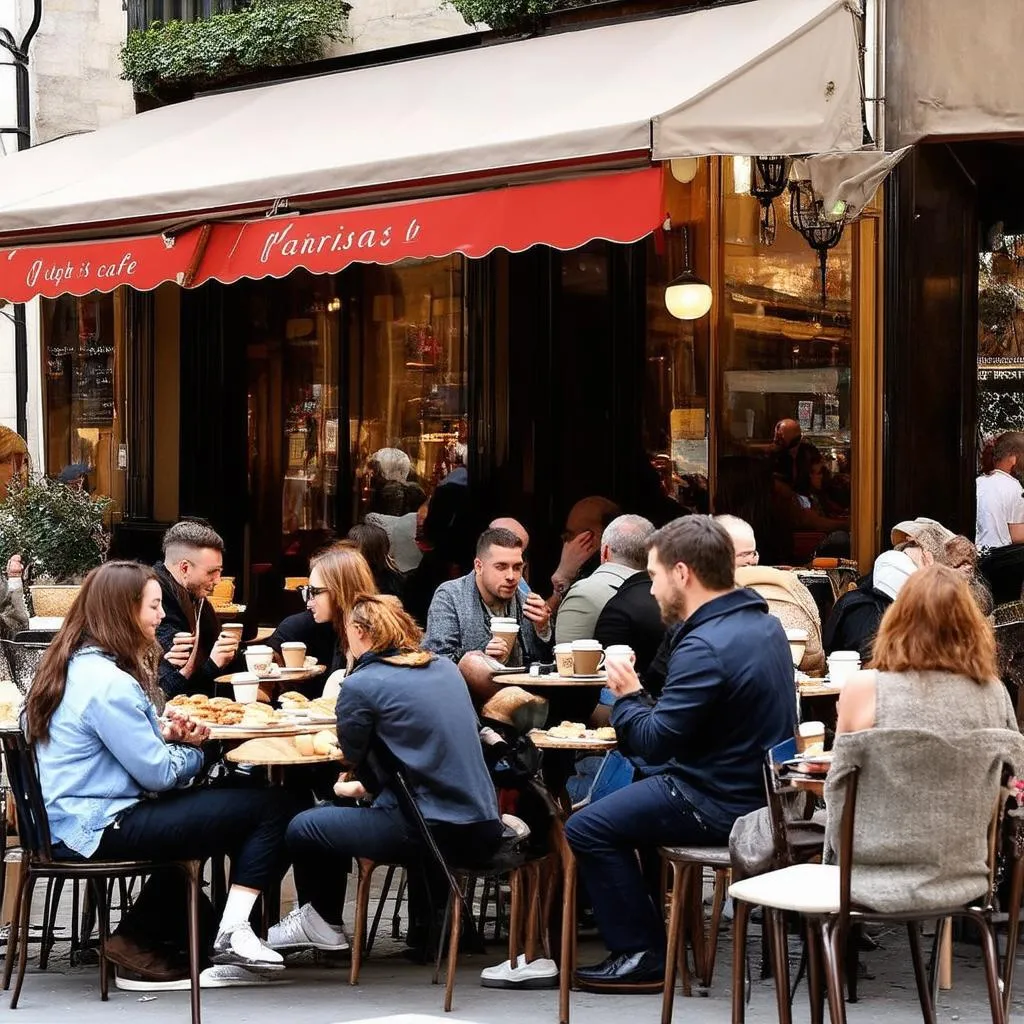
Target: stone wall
{"x":375,"y":24}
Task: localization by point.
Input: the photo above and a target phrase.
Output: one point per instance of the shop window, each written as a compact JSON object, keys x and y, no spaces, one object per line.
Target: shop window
{"x":81,"y":360}
{"x":1000,"y":337}
{"x":783,"y":355}
{"x":292,"y":348}
{"x":407,"y":377}
{"x":675,"y":391}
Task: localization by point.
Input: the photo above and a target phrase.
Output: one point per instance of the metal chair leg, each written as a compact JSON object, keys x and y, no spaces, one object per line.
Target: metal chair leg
{"x":103,"y":893}
{"x":717,"y":904}
{"x":14,"y":937}
{"x":567,"y":965}
{"x":53,"y":894}
{"x":195,"y":880}
{"x":832,"y":946}
{"x":988,"y":949}
{"x":740,"y":921}
{"x":815,"y":983}
{"x":396,"y":913}
{"x":362,"y":908}
{"x":780,"y":962}
{"x":924,"y":995}
{"x":453,"y":952}
{"x":378,"y":913}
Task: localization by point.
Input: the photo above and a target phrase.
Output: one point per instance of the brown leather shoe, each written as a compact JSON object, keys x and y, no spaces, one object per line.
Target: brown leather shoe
{"x":147,"y":964}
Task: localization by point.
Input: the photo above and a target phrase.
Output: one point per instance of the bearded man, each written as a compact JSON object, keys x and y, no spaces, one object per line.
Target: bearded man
{"x":728,"y":697}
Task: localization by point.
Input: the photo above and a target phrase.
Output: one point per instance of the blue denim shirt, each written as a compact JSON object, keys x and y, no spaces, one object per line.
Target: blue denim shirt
{"x":104,"y":753}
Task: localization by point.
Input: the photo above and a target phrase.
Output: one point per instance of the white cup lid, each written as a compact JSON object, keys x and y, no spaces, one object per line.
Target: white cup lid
{"x":586,"y":645}
{"x":291,"y":645}
{"x":259,"y":649}
{"x":844,"y":656}
{"x":242,"y":678}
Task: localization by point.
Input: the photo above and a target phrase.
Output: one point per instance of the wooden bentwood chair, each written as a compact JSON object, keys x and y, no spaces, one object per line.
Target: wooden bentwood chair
{"x":821,"y":895}
{"x":38,"y":862}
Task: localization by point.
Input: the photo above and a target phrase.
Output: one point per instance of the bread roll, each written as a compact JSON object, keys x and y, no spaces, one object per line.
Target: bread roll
{"x":324,"y":742}
{"x":304,"y":745}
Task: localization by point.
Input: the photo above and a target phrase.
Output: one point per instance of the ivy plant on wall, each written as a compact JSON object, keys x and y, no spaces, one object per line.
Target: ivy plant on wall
{"x":266,"y":33}
{"x":506,"y":15}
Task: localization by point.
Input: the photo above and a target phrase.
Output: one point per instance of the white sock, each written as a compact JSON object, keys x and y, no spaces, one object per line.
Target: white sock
{"x":237,"y":908}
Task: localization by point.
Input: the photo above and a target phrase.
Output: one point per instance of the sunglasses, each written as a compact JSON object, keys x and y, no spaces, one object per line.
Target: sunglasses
{"x":308,"y":592}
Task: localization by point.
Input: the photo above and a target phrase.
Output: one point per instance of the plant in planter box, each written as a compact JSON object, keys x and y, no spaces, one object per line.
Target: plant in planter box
{"x":59,"y":532}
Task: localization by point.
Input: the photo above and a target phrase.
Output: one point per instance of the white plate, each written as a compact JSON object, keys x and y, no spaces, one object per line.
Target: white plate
{"x":286,"y":669}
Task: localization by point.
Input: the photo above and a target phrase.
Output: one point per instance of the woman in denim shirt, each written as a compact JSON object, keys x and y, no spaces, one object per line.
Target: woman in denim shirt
{"x":115,"y":777}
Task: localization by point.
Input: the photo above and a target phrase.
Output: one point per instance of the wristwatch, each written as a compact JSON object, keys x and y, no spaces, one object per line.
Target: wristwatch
{"x":559,"y":587}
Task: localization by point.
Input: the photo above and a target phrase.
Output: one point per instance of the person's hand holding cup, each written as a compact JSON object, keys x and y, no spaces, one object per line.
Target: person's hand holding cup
{"x":536,"y":610}
{"x":225,"y":649}
{"x":181,"y":650}
{"x":503,"y":638}
{"x":619,"y":665}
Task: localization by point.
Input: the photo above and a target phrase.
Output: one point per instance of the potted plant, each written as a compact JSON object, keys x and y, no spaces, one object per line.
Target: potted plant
{"x":59,"y":532}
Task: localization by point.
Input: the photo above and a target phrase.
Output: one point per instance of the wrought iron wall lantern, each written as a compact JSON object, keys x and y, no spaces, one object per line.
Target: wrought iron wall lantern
{"x":768,"y":178}
{"x":821,"y":229}
{"x":687,"y":297}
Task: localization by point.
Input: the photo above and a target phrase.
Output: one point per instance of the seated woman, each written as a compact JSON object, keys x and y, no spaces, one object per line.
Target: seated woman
{"x":113,"y":776}
{"x":372,"y":542}
{"x":402,"y":708}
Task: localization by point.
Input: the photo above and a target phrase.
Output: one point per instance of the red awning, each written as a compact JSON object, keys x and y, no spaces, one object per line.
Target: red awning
{"x":78,"y":268}
{"x":619,"y":207}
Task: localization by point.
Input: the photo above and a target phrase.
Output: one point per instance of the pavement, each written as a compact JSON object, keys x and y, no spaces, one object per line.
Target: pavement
{"x":313,"y":991}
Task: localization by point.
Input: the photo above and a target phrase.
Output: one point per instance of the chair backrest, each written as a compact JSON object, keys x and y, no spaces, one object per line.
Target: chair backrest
{"x":777,"y":798}
{"x":23,"y":659}
{"x":917,"y":792}
{"x":23,"y":774}
{"x":35,"y":636}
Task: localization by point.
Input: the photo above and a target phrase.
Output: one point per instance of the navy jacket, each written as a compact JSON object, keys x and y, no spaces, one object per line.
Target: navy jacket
{"x":423,"y":716}
{"x":729,"y":696}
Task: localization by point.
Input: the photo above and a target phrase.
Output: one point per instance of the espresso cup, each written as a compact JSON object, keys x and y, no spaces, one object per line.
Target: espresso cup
{"x":841,"y":665}
{"x":587,"y":657}
{"x":294,"y":654}
{"x":564,"y":660}
{"x":246,"y":686}
{"x":258,"y":660}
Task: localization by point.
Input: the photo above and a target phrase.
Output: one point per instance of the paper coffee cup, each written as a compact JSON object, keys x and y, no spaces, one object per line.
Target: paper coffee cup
{"x":507,"y":630}
{"x":258,"y":660}
{"x":234,"y":628}
{"x":246,"y":686}
{"x":564,"y":660}
{"x":620,"y":652}
{"x":588,"y":657}
{"x":294,"y":654}
{"x":841,"y":665}
{"x":810,"y":738}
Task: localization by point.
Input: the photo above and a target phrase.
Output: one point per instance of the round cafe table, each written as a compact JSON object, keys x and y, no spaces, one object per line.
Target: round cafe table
{"x":526,"y":681}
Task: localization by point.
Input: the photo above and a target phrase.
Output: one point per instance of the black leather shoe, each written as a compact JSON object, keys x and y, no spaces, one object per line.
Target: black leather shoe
{"x":625,"y":972}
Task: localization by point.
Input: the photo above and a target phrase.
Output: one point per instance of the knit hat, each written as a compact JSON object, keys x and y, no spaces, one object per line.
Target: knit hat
{"x":892,"y":569}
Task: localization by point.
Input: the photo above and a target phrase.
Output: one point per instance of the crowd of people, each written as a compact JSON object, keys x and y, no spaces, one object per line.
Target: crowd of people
{"x":709,"y":689}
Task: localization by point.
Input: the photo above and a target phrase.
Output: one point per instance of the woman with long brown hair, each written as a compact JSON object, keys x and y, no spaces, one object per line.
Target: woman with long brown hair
{"x":934,"y":664}
{"x":103,"y":753}
{"x":400,"y":708}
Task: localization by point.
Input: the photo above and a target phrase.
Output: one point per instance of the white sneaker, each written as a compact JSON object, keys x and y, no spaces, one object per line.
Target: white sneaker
{"x":218,"y":976}
{"x":537,"y":974}
{"x":304,"y":928}
{"x":239,"y":945}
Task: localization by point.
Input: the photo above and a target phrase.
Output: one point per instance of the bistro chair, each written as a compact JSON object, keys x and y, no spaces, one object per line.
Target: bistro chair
{"x":38,"y":862}
{"x":821,"y":893}
{"x":23,"y":660}
{"x":1010,"y":653}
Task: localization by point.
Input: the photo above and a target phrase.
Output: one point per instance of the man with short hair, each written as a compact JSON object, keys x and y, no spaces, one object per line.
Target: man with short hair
{"x":623,"y":553}
{"x":459,"y":618}
{"x":1000,"y":519}
{"x":581,"y":544}
{"x":743,"y":540}
{"x":729,"y":696}
{"x":196,"y":651}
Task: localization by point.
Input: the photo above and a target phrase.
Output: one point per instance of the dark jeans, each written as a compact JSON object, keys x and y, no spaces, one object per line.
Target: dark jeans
{"x":247,"y":825}
{"x":605,"y":837}
{"x":323,"y":841}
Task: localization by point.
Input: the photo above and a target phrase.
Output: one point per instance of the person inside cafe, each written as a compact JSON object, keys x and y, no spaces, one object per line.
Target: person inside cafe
{"x":1000,"y":519}
{"x":728,"y":697}
{"x":788,"y":599}
{"x":581,"y":544}
{"x":623,"y":554}
{"x":13,"y":465}
{"x":853,"y":622}
{"x":114,"y":779}
{"x":459,"y":619}
{"x":196,"y":650}
{"x":372,"y":543}
{"x":401,"y":708}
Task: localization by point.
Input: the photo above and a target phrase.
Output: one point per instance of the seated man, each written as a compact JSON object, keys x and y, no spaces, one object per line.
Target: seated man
{"x":788,"y":599}
{"x":623,"y":553}
{"x":729,"y":696}
{"x":1000,"y":519}
{"x":196,"y":651}
{"x":459,"y":618}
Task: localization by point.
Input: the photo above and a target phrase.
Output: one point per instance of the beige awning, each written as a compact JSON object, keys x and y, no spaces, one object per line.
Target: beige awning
{"x":767,"y":76}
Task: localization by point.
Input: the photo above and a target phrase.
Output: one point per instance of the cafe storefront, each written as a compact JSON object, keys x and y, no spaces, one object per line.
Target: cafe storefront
{"x":480,"y":284}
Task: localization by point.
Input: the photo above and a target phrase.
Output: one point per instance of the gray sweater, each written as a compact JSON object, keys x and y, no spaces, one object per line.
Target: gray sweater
{"x":458,"y":621}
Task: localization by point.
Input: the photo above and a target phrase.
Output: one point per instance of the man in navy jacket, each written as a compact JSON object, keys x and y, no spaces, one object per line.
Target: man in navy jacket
{"x":728,"y":697}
